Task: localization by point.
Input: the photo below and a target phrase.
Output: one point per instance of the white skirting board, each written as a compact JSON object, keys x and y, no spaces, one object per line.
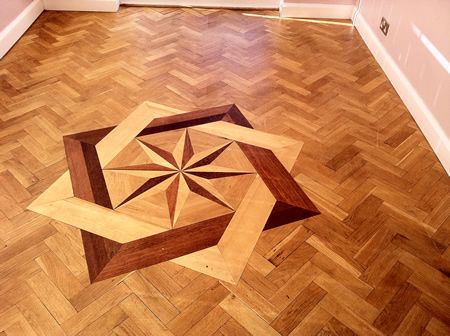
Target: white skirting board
{"x":11,"y":33}
{"x":82,"y":5}
{"x":273,"y":4}
{"x":316,"y":10}
{"x":423,"y":116}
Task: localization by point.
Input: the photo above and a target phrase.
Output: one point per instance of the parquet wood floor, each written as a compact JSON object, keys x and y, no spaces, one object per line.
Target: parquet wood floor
{"x":375,"y":262}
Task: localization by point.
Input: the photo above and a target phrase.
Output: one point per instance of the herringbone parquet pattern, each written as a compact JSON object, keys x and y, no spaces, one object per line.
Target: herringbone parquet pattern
{"x":375,"y":262}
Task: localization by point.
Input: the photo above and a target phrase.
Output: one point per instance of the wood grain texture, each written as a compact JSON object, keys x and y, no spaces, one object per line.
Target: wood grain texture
{"x":384,"y":226}
{"x":197,"y":118}
{"x":97,"y":219}
{"x":165,"y":246}
{"x":88,"y":182}
{"x":133,"y":183}
{"x":239,"y":240}
{"x":276,"y":177}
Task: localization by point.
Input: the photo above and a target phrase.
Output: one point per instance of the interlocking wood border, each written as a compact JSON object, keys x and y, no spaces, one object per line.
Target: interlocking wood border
{"x":107,"y":257}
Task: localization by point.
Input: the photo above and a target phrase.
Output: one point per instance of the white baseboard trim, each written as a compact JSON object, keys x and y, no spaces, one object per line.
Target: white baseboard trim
{"x":272,"y":4}
{"x":423,"y":116}
{"x":82,"y":5}
{"x":316,"y":11}
{"x":12,"y":32}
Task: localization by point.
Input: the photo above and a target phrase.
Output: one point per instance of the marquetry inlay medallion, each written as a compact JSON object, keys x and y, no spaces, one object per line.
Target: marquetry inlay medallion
{"x":195,"y":188}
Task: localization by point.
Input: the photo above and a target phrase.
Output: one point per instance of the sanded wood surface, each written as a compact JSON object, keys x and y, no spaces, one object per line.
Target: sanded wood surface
{"x":164,"y":209}
{"x":375,"y":262}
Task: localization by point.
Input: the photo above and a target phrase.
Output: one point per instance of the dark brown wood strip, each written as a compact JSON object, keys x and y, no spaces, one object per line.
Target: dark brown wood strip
{"x":228,"y":113}
{"x":397,"y":308}
{"x":305,"y":301}
{"x":91,"y":137}
{"x":276,"y":177}
{"x":237,"y":117}
{"x":165,"y":246}
{"x":86,"y":173}
{"x":390,"y":284}
{"x":98,"y":251}
{"x":185,"y":120}
{"x":283,"y":213}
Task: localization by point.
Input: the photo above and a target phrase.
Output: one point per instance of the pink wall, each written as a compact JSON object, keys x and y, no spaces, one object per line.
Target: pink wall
{"x":10,"y":9}
{"x":419,"y":41}
{"x":325,"y":2}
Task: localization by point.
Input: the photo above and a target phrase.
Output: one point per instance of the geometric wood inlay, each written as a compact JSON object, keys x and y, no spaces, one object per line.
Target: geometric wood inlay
{"x":197,"y":188}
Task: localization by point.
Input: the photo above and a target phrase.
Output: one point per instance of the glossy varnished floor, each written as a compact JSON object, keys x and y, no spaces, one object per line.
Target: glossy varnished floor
{"x":374,"y":262}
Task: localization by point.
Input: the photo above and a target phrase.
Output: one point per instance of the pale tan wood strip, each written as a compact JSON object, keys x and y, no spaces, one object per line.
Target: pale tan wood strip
{"x":93,"y":292}
{"x":189,"y":294}
{"x":63,"y":248}
{"x":261,"y":264}
{"x":254,"y":300}
{"x":243,"y":231}
{"x":122,"y":183}
{"x":312,"y":323}
{"x":203,"y":154}
{"x":315,"y":242}
{"x":98,"y":220}
{"x":209,"y":261}
{"x":60,"y":189}
{"x":39,"y":318}
{"x":182,"y":195}
{"x":296,"y":284}
{"x":348,"y":318}
{"x":179,"y":149}
{"x":209,"y":325}
{"x":342,"y":275}
{"x":105,"y":323}
{"x":215,"y":168}
{"x":239,"y":311}
{"x":51,"y":297}
{"x":247,"y":135}
{"x":60,"y":275}
{"x":14,"y":323}
{"x":121,"y":135}
{"x":152,"y":298}
{"x":347,"y":298}
{"x":197,"y":310}
{"x":210,"y":188}
{"x":128,"y":328}
{"x":288,"y":155}
{"x":155,"y":157}
{"x":232,"y":328}
{"x":96,"y":309}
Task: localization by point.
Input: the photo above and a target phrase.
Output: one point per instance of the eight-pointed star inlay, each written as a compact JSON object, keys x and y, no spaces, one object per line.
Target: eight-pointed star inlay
{"x":195,"y":188}
{"x":146,"y":165}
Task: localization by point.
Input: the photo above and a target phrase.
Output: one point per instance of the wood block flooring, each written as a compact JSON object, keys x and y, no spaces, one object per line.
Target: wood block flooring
{"x":374,"y":262}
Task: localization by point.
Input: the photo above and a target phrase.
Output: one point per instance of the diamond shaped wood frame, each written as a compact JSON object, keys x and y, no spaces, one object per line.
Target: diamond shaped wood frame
{"x":117,"y":243}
